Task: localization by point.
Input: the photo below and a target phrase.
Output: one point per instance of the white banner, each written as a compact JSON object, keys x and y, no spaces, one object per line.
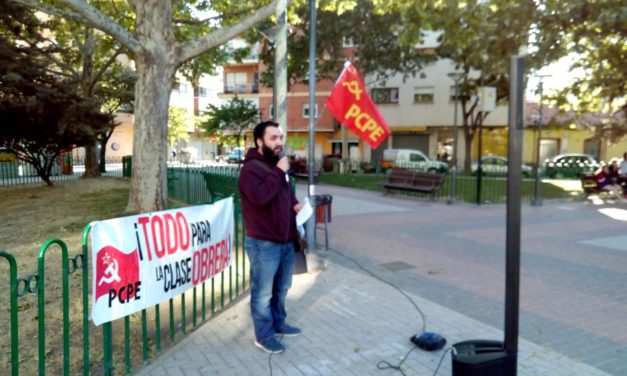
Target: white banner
{"x":142,"y":260}
{"x":487,"y":98}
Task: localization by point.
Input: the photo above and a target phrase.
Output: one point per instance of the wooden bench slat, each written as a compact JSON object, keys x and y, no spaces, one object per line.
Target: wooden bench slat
{"x":414,"y":181}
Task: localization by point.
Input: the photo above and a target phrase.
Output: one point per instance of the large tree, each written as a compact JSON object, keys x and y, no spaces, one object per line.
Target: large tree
{"x":41,"y":112}
{"x":593,"y":34}
{"x":88,"y":57}
{"x":157,"y":55}
{"x":478,"y":37}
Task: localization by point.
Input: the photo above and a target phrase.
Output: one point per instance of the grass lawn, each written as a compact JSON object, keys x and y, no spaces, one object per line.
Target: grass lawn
{"x":30,"y":215}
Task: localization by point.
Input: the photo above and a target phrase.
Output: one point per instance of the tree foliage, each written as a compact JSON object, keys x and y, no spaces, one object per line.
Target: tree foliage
{"x":179,"y":124}
{"x":41,"y":111}
{"x":87,"y":57}
{"x":158,"y":50}
{"x":372,"y":30}
{"x":479,"y":37}
{"x":593,"y":33}
{"x":231,"y":119}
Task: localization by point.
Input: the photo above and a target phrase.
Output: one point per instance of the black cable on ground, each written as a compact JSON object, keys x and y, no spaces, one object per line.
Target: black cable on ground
{"x":270,"y":356}
{"x":422,"y":316}
{"x":385,"y":364}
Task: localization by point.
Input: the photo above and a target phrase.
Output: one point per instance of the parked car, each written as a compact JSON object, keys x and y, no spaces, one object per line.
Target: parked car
{"x":493,"y":165}
{"x":570,"y":165}
{"x":411,"y":159}
{"x":235,"y":156}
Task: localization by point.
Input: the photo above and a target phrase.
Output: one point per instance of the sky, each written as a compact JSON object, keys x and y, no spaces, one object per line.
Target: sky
{"x":558,"y":76}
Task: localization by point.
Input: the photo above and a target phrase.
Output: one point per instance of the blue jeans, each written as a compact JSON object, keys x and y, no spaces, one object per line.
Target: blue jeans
{"x":271,"y":268}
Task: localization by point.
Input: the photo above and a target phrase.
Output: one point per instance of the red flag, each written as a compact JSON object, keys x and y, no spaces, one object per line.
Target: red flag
{"x":350,"y":104}
{"x":115,"y":269}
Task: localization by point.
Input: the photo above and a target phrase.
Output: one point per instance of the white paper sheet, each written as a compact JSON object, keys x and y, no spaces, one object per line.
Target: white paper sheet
{"x":304,"y":213}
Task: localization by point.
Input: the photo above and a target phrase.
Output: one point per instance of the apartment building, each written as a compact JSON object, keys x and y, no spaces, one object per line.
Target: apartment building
{"x":419,"y":111}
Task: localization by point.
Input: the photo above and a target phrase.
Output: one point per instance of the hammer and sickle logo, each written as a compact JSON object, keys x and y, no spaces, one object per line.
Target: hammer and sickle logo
{"x":110,"y":273}
{"x":353,"y":88}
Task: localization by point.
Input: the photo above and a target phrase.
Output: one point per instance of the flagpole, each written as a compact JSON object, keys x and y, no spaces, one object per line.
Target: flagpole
{"x":311,"y":191}
{"x":345,"y":152}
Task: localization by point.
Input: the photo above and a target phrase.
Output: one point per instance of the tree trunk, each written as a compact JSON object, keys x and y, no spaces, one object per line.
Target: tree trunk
{"x":155,"y":71}
{"x":468,"y":152}
{"x":102,"y":166}
{"x":87,"y":86}
{"x":91,"y":160}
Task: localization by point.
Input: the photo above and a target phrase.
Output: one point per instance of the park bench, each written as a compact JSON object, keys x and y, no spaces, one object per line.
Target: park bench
{"x":299,"y":170}
{"x":415,"y":181}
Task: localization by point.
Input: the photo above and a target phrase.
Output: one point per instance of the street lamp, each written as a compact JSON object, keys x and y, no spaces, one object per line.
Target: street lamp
{"x":456,"y":77}
{"x":537,"y":201}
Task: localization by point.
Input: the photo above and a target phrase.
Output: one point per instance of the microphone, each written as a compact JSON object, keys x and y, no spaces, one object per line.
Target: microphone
{"x":283,"y":154}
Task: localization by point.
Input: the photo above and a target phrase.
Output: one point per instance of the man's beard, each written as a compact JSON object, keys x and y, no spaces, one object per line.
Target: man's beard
{"x":271,"y":155}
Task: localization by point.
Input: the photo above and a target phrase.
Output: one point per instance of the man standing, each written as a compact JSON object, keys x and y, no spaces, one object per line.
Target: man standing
{"x":269,"y":208}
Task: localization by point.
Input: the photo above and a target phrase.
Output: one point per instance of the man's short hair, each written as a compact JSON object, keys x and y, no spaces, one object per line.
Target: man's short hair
{"x":260,"y":129}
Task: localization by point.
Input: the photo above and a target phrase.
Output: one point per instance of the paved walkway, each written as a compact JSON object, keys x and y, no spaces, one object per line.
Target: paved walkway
{"x":350,"y":320}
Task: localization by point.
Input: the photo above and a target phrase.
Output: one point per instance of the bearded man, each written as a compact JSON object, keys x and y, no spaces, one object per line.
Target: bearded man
{"x":269,"y":208}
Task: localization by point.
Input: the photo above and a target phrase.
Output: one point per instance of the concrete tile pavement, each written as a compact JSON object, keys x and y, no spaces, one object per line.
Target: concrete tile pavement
{"x":350,"y":323}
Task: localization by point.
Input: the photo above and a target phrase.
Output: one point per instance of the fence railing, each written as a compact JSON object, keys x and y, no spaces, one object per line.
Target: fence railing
{"x":18,"y":172}
{"x":57,"y":297}
{"x":492,"y":187}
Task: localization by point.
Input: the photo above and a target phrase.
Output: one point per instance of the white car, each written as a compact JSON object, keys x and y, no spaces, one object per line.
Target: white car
{"x":412,"y":160}
{"x":497,"y":166}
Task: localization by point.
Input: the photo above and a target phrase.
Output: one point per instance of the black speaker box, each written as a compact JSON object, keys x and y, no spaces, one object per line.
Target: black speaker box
{"x":479,"y":357}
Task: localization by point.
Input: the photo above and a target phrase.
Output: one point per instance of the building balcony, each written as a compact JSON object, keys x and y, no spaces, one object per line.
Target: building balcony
{"x":250,"y":88}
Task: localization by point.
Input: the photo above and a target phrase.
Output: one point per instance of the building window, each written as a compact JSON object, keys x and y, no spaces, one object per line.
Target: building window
{"x":271,"y":111}
{"x":202,"y":92}
{"x":182,"y":88}
{"x":306,"y":111}
{"x":385,"y":95}
{"x":236,"y":82}
{"x":348,"y":42}
{"x":452,"y":95}
{"x":423,"y":94}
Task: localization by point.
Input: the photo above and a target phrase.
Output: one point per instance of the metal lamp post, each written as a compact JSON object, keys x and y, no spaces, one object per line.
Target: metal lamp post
{"x":537,"y":200}
{"x":274,"y":91}
{"x":277,"y":36}
{"x":456,"y":77}
{"x":311,"y":191}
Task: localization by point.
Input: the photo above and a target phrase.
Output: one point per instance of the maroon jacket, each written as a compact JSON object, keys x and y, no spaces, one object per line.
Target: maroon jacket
{"x":267,"y":200}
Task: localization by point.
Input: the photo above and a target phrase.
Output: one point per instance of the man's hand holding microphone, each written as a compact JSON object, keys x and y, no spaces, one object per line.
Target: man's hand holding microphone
{"x":284,"y":164}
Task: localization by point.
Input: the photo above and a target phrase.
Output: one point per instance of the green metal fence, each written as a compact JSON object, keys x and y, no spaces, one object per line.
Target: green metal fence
{"x":57,"y":297}
{"x":493,"y":190}
{"x":488,"y":189}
